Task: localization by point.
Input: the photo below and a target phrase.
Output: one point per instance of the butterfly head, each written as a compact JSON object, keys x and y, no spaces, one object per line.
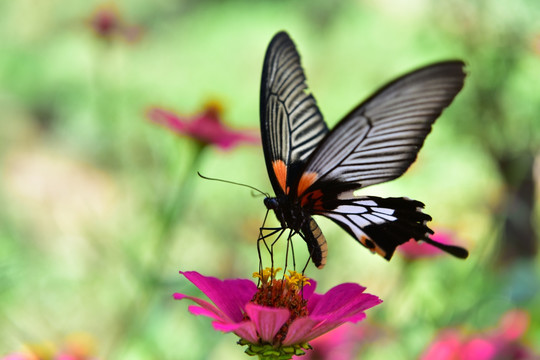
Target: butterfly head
{"x":271,"y":203}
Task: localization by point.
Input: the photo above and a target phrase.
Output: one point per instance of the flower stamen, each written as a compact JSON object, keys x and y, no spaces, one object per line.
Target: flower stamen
{"x":296,"y":280}
{"x":267,"y":273}
{"x":281,"y":293}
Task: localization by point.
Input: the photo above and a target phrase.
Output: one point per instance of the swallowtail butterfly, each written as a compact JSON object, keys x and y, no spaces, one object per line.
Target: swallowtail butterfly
{"x":314,"y":170}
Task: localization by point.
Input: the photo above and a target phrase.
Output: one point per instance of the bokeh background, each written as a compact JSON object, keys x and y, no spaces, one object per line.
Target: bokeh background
{"x":100,"y":207}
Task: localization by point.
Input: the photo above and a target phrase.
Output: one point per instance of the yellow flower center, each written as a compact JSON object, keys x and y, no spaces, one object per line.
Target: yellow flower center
{"x":282,"y":293}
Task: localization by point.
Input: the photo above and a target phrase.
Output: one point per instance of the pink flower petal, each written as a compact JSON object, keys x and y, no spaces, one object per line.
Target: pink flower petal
{"x":229,"y":296}
{"x":309,"y":290}
{"x":478,"y":349}
{"x":267,"y":320}
{"x":67,"y":357}
{"x":343,"y":301}
{"x":343,"y":343}
{"x":216,"y":313}
{"x":168,"y":119}
{"x":446,"y":347}
{"x":228,"y":140}
{"x":514,"y":324}
{"x":299,"y":331}
{"x":197,"y":310}
{"x":323,"y":327}
{"x":205,"y":127}
{"x":209,"y":128}
{"x":246,"y":330}
{"x":17,"y":357}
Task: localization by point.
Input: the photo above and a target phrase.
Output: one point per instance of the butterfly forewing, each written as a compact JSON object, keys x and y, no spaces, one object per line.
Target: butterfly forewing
{"x":380,"y":139}
{"x":291,"y":123}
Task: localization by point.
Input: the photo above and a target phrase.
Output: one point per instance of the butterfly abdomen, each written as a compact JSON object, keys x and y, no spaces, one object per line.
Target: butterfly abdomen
{"x":316,"y":243}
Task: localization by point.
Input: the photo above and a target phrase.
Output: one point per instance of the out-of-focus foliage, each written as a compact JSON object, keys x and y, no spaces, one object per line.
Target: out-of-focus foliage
{"x":101,"y":207}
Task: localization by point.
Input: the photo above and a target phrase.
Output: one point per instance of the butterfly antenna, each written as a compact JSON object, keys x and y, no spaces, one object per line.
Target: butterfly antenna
{"x":234,"y":183}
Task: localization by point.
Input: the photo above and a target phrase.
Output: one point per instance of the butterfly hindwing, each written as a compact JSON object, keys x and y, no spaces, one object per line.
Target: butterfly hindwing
{"x":291,"y":123}
{"x":380,"y":224}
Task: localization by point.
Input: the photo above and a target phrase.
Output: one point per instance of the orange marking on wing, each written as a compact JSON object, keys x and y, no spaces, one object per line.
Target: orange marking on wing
{"x":280,"y":170}
{"x":370,"y":244}
{"x":380,"y":251}
{"x":306,"y":181}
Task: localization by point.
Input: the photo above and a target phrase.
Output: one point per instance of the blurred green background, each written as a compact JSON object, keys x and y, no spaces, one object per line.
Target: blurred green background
{"x":87,"y":183}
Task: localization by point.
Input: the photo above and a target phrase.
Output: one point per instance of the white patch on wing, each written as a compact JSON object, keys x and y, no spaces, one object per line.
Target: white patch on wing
{"x":350,"y":209}
{"x":387,"y":217}
{"x":383,"y":210}
{"x":354,"y":225}
{"x":359,"y":220}
{"x":374,"y":219}
{"x":369,"y":203}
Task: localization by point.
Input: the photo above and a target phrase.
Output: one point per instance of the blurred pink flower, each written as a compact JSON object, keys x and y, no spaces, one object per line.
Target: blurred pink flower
{"x":19,"y":356}
{"x":415,"y":250}
{"x":502,"y":343}
{"x":280,"y":316}
{"x":107,"y":24}
{"x":206,"y":127}
{"x":344,"y":343}
{"x":36,"y":351}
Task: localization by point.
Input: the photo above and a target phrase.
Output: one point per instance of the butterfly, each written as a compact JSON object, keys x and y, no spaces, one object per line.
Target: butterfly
{"x":315,"y":171}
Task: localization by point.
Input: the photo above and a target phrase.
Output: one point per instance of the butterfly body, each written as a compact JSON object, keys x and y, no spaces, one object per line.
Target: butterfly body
{"x":315,"y":171}
{"x":290,"y":215}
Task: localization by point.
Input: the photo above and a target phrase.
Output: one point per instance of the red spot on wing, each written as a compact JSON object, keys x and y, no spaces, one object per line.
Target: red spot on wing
{"x":313,"y":199}
{"x":280,"y":170}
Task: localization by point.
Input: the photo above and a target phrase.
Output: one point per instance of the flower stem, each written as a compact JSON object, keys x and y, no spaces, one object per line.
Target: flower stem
{"x":150,"y":280}
{"x":179,"y":203}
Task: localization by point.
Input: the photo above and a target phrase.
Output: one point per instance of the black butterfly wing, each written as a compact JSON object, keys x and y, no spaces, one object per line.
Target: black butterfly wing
{"x":291,"y":123}
{"x":380,"y":139}
{"x":382,"y":224}
{"x":375,"y":143}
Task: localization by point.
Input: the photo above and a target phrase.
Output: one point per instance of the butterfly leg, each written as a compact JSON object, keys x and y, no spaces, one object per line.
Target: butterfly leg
{"x":310,"y":255}
{"x":262,"y":238}
{"x":289,"y":243}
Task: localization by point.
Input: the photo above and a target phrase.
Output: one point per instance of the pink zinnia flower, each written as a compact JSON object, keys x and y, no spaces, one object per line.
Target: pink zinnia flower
{"x":501,"y":343}
{"x":206,"y":127}
{"x":107,"y":23}
{"x":415,"y":250}
{"x":278,"y":318}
